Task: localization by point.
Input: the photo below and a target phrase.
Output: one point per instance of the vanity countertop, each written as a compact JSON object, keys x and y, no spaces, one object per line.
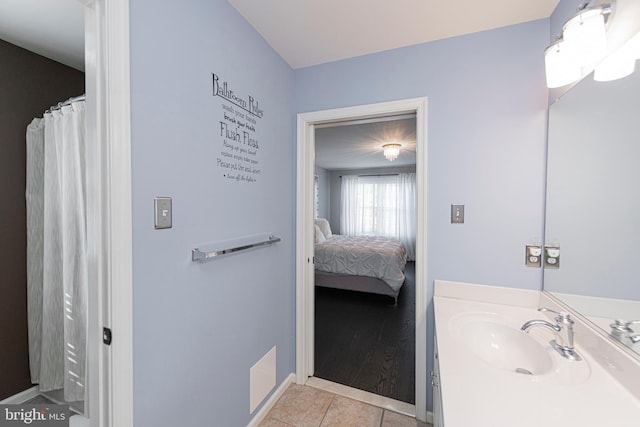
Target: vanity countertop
{"x":479,"y":393}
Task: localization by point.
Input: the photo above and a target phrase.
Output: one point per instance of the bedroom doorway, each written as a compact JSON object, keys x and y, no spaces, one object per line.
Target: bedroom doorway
{"x":307,"y":183}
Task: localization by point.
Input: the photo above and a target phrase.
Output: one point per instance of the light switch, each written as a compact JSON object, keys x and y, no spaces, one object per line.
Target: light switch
{"x":457,"y":214}
{"x":162,"y":212}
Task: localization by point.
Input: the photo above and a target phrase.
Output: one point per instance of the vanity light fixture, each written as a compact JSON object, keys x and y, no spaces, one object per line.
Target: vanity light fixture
{"x":391,"y":151}
{"x":582,"y":44}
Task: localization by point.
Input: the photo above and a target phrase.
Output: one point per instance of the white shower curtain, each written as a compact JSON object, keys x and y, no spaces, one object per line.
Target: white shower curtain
{"x":56,"y":250}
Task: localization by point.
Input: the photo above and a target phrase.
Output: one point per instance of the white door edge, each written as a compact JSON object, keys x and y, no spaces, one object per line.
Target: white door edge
{"x":107,"y":78}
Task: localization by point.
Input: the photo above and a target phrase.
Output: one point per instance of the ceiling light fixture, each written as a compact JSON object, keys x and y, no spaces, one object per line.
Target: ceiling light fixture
{"x":581,"y":46}
{"x":391,"y":151}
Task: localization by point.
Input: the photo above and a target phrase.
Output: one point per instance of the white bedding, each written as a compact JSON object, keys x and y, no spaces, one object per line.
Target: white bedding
{"x":371,"y":256}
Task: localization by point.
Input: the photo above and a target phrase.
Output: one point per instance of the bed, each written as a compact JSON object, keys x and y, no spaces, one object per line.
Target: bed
{"x":371,"y":264}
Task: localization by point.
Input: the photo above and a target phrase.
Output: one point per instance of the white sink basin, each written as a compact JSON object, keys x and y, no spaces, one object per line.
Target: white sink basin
{"x":502,"y":346}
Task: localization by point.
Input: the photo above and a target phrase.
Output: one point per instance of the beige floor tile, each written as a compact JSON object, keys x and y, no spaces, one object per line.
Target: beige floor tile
{"x":393,"y":419}
{"x":301,"y":406}
{"x":270,"y":422}
{"x":345,"y":412}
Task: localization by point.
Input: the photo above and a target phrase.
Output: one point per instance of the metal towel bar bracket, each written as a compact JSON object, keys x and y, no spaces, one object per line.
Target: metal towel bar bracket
{"x":198,"y":255}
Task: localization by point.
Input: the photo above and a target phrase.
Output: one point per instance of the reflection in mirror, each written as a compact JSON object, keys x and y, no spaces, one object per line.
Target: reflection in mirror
{"x":593,"y":204}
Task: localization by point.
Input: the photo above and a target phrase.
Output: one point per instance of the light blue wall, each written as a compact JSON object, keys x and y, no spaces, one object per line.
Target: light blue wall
{"x":198,"y":328}
{"x":324,"y":204}
{"x":563,"y":11}
{"x":487,"y":103}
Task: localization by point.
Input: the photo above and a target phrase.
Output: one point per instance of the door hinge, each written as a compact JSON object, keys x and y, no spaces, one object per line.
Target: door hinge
{"x":106,"y":336}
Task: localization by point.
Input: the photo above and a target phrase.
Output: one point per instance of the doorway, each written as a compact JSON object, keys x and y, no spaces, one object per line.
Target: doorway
{"x":305,"y":295}
{"x":364,"y":339}
{"x":108,"y":226}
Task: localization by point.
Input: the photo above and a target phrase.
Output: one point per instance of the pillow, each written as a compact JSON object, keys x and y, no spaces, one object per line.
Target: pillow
{"x":324,"y":226}
{"x":319,"y":237}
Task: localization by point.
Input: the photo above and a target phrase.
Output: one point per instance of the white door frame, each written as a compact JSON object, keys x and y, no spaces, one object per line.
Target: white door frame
{"x":304,"y":233}
{"x":110,"y":368}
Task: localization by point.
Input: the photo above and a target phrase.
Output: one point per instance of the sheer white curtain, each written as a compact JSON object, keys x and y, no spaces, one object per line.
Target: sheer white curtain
{"x":350,"y":208}
{"x":380,"y":205}
{"x":56,"y":244}
{"x":407,"y":219}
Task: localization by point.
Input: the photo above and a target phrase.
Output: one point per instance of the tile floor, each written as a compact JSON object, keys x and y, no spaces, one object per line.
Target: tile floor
{"x":304,"y":406}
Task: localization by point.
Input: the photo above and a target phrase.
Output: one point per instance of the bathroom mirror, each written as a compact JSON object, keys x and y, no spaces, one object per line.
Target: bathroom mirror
{"x":593,"y":202}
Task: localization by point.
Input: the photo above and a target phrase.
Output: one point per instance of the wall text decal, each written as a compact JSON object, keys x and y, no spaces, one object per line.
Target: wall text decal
{"x":239,"y":150}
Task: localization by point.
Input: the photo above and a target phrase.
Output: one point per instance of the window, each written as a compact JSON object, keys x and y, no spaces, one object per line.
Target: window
{"x":380,"y":205}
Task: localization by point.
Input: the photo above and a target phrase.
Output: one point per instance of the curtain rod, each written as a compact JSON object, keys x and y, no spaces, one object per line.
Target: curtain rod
{"x":380,"y":174}
{"x":69,"y":101}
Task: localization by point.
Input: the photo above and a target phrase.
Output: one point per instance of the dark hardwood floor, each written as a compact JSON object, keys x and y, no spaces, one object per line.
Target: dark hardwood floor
{"x":364,"y":341}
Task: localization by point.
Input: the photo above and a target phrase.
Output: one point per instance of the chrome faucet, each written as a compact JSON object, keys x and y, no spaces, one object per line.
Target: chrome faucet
{"x":622,"y":331}
{"x":563,"y":330}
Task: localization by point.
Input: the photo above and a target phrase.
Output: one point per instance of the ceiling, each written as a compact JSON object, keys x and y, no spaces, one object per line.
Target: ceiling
{"x":304,"y":33}
{"x":358,"y":144}
{"x":312,"y":32}
{"x":51,"y":28}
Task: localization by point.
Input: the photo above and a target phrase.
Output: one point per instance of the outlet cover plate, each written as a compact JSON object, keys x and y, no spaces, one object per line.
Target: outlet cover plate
{"x":533,"y":256}
{"x":551,"y":257}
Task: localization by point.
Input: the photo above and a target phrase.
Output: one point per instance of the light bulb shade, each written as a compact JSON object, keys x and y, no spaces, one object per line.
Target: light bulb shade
{"x":391,"y":151}
{"x":560,"y":66}
{"x":585,"y":35}
{"x":634,"y":46}
{"x":616,"y":66}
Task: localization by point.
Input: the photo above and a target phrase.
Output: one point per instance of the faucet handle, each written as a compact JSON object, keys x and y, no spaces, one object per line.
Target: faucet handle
{"x":562,"y":314}
{"x":623,"y":325}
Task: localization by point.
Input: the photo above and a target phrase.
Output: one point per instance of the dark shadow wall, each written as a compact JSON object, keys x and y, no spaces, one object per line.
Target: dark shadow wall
{"x":29,"y":84}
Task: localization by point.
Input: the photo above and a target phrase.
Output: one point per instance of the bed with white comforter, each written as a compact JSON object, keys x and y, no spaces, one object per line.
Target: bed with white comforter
{"x":339,"y":257}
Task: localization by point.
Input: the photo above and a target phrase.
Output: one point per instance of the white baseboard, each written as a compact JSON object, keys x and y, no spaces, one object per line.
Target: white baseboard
{"x":21,"y":397}
{"x":262,"y":413}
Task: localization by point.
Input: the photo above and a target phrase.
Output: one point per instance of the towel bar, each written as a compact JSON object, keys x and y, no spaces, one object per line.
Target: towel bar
{"x":198,"y":255}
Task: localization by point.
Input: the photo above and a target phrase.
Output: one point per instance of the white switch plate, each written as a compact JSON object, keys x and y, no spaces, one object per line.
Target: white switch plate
{"x":163,"y":212}
{"x":457,"y":214}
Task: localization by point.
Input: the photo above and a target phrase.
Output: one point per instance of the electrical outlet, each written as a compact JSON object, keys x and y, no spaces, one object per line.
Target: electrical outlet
{"x":533,"y":256}
{"x":552,"y":257}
